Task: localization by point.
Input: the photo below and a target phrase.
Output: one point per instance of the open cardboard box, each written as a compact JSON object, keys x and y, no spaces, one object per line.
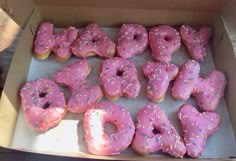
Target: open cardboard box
{"x":219,"y":14}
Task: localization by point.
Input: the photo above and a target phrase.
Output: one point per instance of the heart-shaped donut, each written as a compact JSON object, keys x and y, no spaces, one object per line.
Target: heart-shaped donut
{"x":154,"y":132}
{"x":196,"y":128}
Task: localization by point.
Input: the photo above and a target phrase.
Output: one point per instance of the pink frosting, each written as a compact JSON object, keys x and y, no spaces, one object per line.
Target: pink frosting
{"x":186,"y":80}
{"x":159,"y":76}
{"x":196,"y":41}
{"x":210,"y":90}
{"x":132,"y":40}
{"x":74,"y":76}
{"x":119,"y":77}
{"x":94,"y":39}
{"x":196,"y":128}
{"x":164,"y":41}
{"x":83,"y":98}
{"x":43,"y":103}
{"x":63,"y":41}
{"x":100,"y":142}
{"x":154,"y":132}
{"x":44,"y":38}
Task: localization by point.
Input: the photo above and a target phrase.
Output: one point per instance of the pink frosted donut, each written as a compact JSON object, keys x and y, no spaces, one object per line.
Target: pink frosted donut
{"x":44,"y":41}
{"x":159,"y":76}
{"x":93,"y":40}
{"x":43,"y":103}
{"x":98,"y":141}
{"x":83,"y":96}
{"x":119,"y":77}
{"x":164,"y":41}
{"x":195,"y":41}
{"x":186,"y":80}
{"x":63,"y":41}
{"x":196,"y":128}
{"x":132,"y":40}
{"x":154,"y":132}
{"x":210,"y":90}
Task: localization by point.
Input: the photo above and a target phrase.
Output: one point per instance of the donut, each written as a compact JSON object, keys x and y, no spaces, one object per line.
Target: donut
{"x":154,"y":132}
{"x":98,"y":141}
{"x":159,"y":76}
{"x":44,"y":41}
{"x":210,"y":90}
{"x":186,"y":80}
{"x":164,"y":41}
{"x":63,"y":41}
{"x":83,"y":96}
{"x":93,"y":41}
{"x":43,"y":103}
{"x":197,"y":127}
{"x":195,"y":41}
{"x":119,"y":77}
{"x":132,"y":40}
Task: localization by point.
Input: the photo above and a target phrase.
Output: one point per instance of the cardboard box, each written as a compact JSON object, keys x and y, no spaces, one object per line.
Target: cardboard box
{"x":219,"y":14}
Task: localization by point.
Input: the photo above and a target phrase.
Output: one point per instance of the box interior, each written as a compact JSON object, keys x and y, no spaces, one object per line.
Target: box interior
{"x":107,"y":13}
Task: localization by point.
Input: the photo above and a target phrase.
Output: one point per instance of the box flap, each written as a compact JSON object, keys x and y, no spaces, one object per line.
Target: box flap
{"x":228,"y":14}
{"x":19,"y":11}
{"x":189,"y":5}
{"x":10,"y":100}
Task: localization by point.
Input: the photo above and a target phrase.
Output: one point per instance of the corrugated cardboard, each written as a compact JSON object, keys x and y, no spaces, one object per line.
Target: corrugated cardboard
{"x":28,"y":14}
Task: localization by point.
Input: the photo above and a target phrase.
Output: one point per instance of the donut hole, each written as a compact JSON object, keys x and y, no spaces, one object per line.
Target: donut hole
{"x":42,"y":94}
{"x":155,"y":131}
{"x":119,"y":73}
{"x":166,"y":38}
{"x":93,"y":40}
{"x":110,"y":128}
{"x":46,"y":105}
{"x":135,"y":37}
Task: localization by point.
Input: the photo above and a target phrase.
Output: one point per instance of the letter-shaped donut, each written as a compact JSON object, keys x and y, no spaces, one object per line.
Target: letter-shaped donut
{"x":208,"y":91}
{"x":93,"y":41}
{"x":132,"y":40}
{"x":159,"y":76}
{"x":83,"y":96}
{"x":43,"y":103}
{"x":186,"y":80}
{"x":195,"y":41}
{"x":97,"y":140}
{"x":164,"y":41}
{"x":44,"y":41}
{"x":196,"y":128}
{"x":154,"y":132}
{"x":119,"y":77}
{"x":63,"y":41}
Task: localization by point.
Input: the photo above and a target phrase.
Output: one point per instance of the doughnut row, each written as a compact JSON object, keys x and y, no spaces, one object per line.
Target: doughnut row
{"x":132,"y":40}
{"x":44,"y":103}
